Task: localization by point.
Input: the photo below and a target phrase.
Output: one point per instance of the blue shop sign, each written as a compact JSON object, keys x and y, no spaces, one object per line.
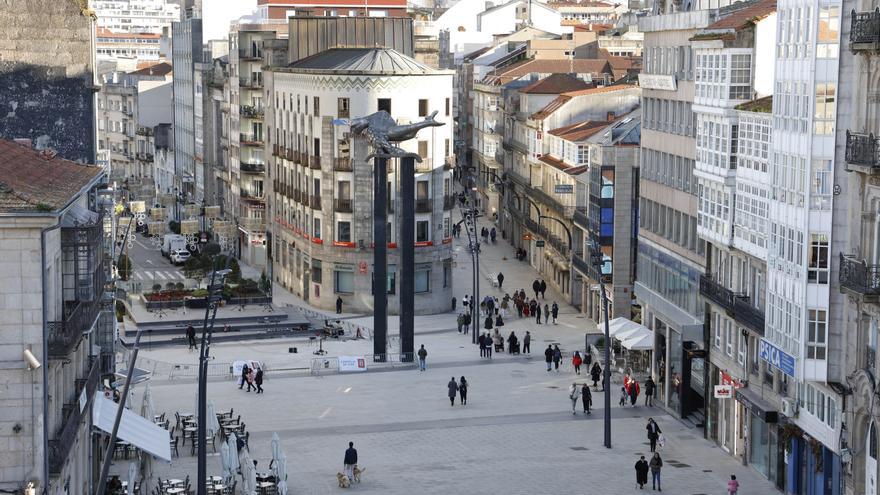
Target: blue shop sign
{"x":777,"y":357}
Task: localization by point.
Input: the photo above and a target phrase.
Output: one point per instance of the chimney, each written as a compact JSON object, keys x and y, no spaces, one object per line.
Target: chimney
{"x":610,"y":116}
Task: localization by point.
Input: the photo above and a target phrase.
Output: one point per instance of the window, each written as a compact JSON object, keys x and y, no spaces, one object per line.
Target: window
{"x":423,"y":108}
{"x":422,"y":231}
{"x":342,"y":108}
{"x":817,"y":270}
{"x":829,"y":30}
{"x":317,"y":145}
{"x":422,"y":189}
{"x":384,"y":104}
{"x":717,"y":330}
{"x":447,"y":273}
{"x":820,"y":185}
{"x":817,"y":327}
{"x":343,"y":231}
{"x":728,"y":337}
{"x":316,"y":228}
{"x":422,"y":281}
{"x":316,"y":271}
{"x":583,"y":154}
{"x":343,"y":279}
{"x":447,"y":107}
{"x":423,"y":149}
{"x":741,"y":349}
{"x":317,"y":107}
{"x":825,"y":108}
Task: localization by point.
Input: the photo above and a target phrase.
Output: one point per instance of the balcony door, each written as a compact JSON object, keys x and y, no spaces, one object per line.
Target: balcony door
{"x":871,"y":461}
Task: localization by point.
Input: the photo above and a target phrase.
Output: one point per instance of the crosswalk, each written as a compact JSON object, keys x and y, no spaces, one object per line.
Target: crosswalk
{"x":159,"y":275}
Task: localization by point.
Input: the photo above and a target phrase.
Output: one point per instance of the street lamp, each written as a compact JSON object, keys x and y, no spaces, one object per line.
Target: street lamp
{"x":597,"y":261}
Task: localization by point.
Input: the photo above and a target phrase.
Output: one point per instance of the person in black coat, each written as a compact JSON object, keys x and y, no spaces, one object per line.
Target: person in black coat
{"x":467,"y":322}
{"x":536,"y":286}
{"x":548,"y":356}
{"x":488,"y":323}
{"x":642,"y":472}
{"x":244,"y":374}
{"x":543,"y":289}
{"x":258,"y":379}
{"x":482,"y":341}
{"x":650,"y":386}
{"x":653,"y":434}
{"x":191,"y":336}
{"x":595,"y":373}
{"x":500,"y":280}
{"x":587,"y":398}
{"x":538,"y":314}
{"x":339,"y":305}
{"x":351,"y":458}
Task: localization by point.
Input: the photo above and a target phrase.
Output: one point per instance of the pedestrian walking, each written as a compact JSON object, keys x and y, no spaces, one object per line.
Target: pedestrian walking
{"x":588,"y":358}
{"x":453,"y":390}
{"x":656,"y":465}
{"x":244,"y":373}
{"x":543,"y":289}
{"x":548,"y":356}
{"x":460,"y":321}
{"x":576,"y":361}
{"x":538,"y":314}
{"x":595,"y":373}
{"x":557,"y":357}
{"x":574,"y":393}
{"x":351,"y":458}
{"x":191,"y":336}
{"x":250,"y":380}
{"x":423,"y":353}
{"x":500,"y":280}
{"x":732,"y":485}
{"x":499,"y":322}
{"x":462,"y":390}
{"x":587,"y":398}
{"x":527,"y":341}
{"x":487,"y":324}
{"x":258,"y":380}
{"x":339,"y":305}
{"x":536,"y":286}
{"x":641,"y":472}
{"x":546,"y":313}
{"x":633,"y":392}
{"x":488,"y":345}
{"x":493,"y":234}
{"x":554,"y":310}
{"x":482,"y":341}
{"x":653,"y":433}
{"x":519,"y":307}
{"x":650,"y":386}
{"x":467,"y":322}
{"x":465,"y":301}
{"x":624,"y":395}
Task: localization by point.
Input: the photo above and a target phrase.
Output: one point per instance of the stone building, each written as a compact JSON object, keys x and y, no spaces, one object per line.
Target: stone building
{"x":117,"y":125}
{"x":320,"y":187}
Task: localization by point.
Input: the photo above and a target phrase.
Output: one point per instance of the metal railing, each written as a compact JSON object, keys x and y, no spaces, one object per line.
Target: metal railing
{"x":580,"y":219}
{"x":858,"y":276}
{"x":250,"y":139}
{"x":424,"y":206}
{"x":342,"y":205}
{"x":244,"y":54}
{"x":449,"y":201}
{"x":252,"y":167}
{"x":60,"y":446}
{"x":747,"y":314}
{"x":581,"y":265}
{"x":251,"y":112}
{"x":342,"y":164}
{"x":315,"y":202}
{"x":65,"y":335}
{"x":250,"y":83}
{"x":426,"y":165}
{"x":716,"y":292}
{"x":314,"y":162}
{"x":864,"y":28}
{"x":862,"y":149}
{"x":252,"y":224}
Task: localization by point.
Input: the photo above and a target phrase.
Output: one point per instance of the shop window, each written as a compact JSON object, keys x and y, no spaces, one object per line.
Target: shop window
{"x":343,"y":279}
{"x":317,"y":272}
{"x":422,"y":281}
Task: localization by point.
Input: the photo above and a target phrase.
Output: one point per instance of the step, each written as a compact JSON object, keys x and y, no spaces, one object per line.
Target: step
{"x":198,"y":320}
{"x":180,"y":329}
{"x":149,"y":340}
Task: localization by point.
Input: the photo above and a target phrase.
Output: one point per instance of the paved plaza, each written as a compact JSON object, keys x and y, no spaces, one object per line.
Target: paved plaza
{"x":516,"y":435}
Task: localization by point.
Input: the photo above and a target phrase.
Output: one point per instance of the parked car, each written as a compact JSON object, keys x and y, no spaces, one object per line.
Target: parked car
{"x":179,"y":256}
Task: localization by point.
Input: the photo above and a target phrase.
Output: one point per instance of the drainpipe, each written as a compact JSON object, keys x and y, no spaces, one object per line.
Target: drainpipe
{"x":44,"y":280}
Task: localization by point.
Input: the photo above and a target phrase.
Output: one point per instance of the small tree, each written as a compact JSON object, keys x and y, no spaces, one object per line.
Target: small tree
{"x":124,"y":267}
{"x":174,"y":227}
{"x":211,"y":249}
{"x":157,"y":287}
{"x":193,"y":268}
{"x":170,"y":286}
{"x":178,"y":286}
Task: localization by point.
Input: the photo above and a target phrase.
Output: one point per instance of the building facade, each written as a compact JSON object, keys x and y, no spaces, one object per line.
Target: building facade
{"x":135,"y":16}
{"x":186,"y":54}
{"x":282,"y":9}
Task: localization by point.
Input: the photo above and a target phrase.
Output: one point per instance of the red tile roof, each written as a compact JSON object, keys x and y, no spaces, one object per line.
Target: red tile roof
{"x":744,"y":18}
{"x":555,"y":84}
{"x":160,"y":69}
{"x":554,"y":162}
{"x":550,"y":107}
{"x":565,"y":97}
{"x":39,"y":181}
{"x":594,"y":67}
{"x":601,"y":89}
{"x":580,"y":130}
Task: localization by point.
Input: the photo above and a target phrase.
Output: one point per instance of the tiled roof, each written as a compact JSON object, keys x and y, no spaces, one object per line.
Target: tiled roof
{"x":106,"y":33}
{"x":39,"y":181}
{"x":565,"y":97}
{"x":593,"y":67}
{"x":580,"y":130}
{"x":555,"y":84}
{"x":369,"y":60}
{"x":550,"y":107}
{"x":761,"y":105}
{"x":554,"y":162}
{"x":600,"y":89}
{"x":160,"y":69}
{"x":743,"y":18}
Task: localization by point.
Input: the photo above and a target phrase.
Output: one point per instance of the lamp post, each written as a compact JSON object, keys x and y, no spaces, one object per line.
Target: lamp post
{"x":597,"y":261}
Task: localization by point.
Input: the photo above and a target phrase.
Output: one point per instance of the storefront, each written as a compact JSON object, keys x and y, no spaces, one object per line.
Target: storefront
{"x":727,"y":415}
{"x":812,"y":468}
{"x":765,"y":452}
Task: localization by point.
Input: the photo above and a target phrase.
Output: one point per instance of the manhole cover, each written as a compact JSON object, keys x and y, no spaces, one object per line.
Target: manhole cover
{"x":681,"y":465}
{"x":707,"y":470}
{"x":552,"y":386}
{"x":579,"y":448}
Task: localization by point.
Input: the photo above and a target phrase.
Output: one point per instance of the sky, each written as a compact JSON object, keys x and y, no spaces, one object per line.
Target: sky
{"x":217,"y":14}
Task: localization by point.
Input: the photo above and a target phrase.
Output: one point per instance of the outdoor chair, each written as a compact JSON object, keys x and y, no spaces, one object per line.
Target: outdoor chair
{"x":174,"y":446}
{"x":177,"y":417}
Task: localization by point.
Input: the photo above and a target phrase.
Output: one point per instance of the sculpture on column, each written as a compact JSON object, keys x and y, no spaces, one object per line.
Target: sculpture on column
{"x":382,"y":130}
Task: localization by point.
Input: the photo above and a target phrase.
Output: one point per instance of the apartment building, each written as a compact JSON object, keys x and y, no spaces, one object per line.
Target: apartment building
{"x":127,"y":48}
{"x":117,"y":124}
{"x":321,"y":185}
{"x":187,"y":53}
{"x":135,"y":16}
{"x":280,"y":10}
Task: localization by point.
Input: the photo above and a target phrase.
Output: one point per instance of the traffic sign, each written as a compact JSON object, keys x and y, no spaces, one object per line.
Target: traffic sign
{"x":539,"y":243}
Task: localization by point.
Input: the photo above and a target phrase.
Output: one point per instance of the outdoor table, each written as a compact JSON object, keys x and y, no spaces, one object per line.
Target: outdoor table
{"x":224,"y":414}
{"x":265,"y":485}
{"x":174,"y":491}
{"x":190,"y":431}
{"x":175,"y":482}
{"x":216,"y":479}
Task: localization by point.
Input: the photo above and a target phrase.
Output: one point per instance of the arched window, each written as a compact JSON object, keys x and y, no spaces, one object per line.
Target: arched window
{"x":872,"y":441}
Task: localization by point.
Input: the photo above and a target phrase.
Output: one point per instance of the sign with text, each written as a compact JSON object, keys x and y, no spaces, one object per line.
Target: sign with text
{"x":657,"y":81}
{"x":563,"y":189}
{"x":352,"y":363}
{"x":539,"y":243}
{"x":776,"y":357}
{"x":723,"y":391}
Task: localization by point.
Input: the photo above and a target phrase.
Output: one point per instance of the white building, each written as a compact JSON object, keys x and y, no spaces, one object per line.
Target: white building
{"x":117,"y":124}
{"x":135,"y":16}
{"x":187,"y":54}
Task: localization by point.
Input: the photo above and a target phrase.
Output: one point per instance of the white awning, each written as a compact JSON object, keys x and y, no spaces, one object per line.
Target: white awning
{"x":642,"y":342}
{"x":620,"y":324}
{"x":134,"y":429}
{"x":632,"y":336}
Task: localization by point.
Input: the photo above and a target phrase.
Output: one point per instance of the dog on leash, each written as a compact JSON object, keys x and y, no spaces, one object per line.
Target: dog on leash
{"x":342,"y":480}
{"x":357,"y":473}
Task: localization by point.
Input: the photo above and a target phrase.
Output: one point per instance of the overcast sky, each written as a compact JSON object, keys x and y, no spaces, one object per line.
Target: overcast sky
{"x":217,"y":14}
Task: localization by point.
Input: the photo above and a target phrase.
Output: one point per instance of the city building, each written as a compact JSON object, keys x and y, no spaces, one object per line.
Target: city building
{"x":282,"y":9}
{"x":625,"y":41}
{"x":135,"y":16}
{"x":127,"y":49}
{"x":247,"y":152}
{"x":588,"y":12}
{"x":321,"y":184}
{"x":56,"y":71}
{"x":606,"y":212}
{"x":187,"y":53}
{"x":218,"y":180}
{"x":57,"y":321}
{"x":163,"y":160}
{"x":117,"y":124}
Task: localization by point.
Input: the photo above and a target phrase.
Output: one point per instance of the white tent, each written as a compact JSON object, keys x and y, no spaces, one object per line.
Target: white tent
{"x":641,"y":342}
{"x":621,"y":324}
{"x":134,"y":429}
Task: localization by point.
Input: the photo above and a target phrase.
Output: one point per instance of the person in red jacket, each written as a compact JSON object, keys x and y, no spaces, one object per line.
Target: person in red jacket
{"x":576,"y":361}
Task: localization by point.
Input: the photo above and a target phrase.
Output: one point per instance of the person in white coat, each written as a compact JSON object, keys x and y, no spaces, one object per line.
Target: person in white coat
{"x":574,"y":393}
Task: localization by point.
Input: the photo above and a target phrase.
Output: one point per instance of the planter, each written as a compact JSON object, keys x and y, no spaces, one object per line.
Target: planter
{"x":153,"y":305}
{"x":252,"y":299}
{"x":197,"y":302}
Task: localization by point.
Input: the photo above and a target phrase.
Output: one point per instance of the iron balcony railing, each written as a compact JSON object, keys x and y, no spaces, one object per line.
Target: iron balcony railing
{"x":746,"y":313}
{"x":251,"y":112}
{"x":858,"y":276}
{"x":342,"y":164}
{"x":315,"y":202}
{"x":426,"y":165}
{"x":249,"y":55}
{"x":79,"y":316}
{"x":314,"y":162}
{"x":862,"y":149}
{"x":62,"y":443}
{"x":250,"y":83}
{"x":716,"y":292}
{"x":449,"y":201}
{"x":342,"y":205}
{"x":423,"y":206}
{"x":864,"y":29}
{"x":250,"y":139}
{"x":582,"y":265}
{"x":252,"y":224}
{"x":257,"y":168}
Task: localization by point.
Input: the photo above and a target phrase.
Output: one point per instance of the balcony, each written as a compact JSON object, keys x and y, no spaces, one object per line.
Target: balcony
{"x":550,"y":201}
{"x":250,"y":139}
{"x":426,"y":165}
{"x":342,"y":164}
{"x":61,"y":444}
{"x":717,"y":293}
{"x":859,"y":277}
{"x":864,"y":31}
{"x":254,"y":168}
{"x":579,"y":216}
{"x":252,"y":224}
{"x":65,"y":335}
{"x":251,"y":195}
{"x":342,"y":205}
{"x":249,"y":56}
{"x":870,"y":358}
{"x":583,"y":266}
{"x":250,"y":83}
{"x":251,"y":112}
{"x":747,"y":314}
{"x":144,"y":156}
{"x":315,"y":202}
{"x":424,"y":206}
{"x":296,"y":195}
{"x":862,"y":149}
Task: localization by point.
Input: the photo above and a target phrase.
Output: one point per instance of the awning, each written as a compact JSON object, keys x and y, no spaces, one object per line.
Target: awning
{"x":134,"y":429}
{"x":621,"y":324}
{"x":641,"y":342}
{"x":760,"y":406}
{"x":631,"y":335}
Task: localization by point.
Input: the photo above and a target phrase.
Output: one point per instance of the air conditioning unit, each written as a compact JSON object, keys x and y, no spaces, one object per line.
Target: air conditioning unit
{"x":790,"y":408}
